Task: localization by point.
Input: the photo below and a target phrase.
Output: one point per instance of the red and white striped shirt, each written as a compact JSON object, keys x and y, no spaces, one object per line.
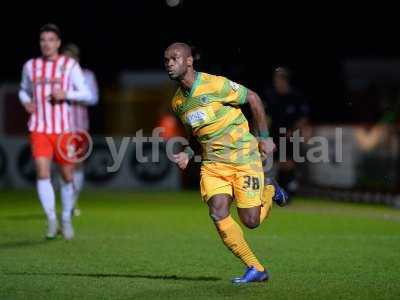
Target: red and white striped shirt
{"x":40,"y":77}
{"x":79,"y":111}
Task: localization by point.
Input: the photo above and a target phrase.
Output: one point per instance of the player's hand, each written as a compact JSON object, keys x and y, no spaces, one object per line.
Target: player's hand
{"x":182,"y":159}
{"x":30,"y":107}
{"x":58,"y":95}
{"x":266,"y":147}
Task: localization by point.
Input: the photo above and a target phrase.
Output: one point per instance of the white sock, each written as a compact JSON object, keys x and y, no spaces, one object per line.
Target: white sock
{"x":47,"y":198}
{"x":79,"y":178}
{"x":67,"y":200}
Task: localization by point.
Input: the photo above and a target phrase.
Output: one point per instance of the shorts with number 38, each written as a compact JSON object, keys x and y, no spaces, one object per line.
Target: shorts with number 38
{"x":244,"y":182}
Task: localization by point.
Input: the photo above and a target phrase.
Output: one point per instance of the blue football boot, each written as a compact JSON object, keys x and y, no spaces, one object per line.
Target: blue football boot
{"x":252,"y":275}
{"x":281,"y":197}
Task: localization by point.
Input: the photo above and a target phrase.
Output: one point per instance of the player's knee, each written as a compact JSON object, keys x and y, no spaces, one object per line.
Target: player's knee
{"x":43,"y":174}
{"x":42,"y":168}
{"x":251,"y":222}
{"x":67,"y":178}
{"x":67,"y":174}
{"x":218,"y":214}
{"x":218,"y":208}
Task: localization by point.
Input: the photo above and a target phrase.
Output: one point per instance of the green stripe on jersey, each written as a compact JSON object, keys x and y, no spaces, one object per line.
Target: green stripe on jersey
{"x":227,"y":129}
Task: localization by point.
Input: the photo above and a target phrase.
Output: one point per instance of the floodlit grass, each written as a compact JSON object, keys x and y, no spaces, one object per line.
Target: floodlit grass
{"x":158,"y":245}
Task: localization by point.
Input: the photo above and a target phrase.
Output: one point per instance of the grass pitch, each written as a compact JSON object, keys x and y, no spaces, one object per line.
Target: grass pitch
{"x":157,"y":245}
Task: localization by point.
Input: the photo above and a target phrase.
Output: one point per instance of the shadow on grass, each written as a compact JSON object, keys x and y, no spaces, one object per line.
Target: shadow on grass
{"x":159,"y":277}
{"x":19,"y":244}
{"x":25,"y":217}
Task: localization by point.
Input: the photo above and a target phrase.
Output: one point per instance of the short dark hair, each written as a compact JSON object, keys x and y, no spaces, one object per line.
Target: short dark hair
{"x":49,"y":27}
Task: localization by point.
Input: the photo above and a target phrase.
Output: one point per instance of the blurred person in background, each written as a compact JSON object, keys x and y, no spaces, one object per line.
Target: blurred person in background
{"x":290,"y":111}
{"x":80,"y":120}
{"x":382,"y":122}
{"x":49,"y":84}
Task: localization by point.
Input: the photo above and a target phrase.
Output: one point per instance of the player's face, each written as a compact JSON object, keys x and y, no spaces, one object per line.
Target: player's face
{"x":281,"y":84}
{"x":176,"y":63}
{"x":49,"y":43}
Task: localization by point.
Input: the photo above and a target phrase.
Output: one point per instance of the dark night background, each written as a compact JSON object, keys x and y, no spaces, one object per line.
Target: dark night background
{"x":241,"y":40}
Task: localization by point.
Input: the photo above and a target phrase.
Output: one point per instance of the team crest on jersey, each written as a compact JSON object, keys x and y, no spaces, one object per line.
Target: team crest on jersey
{"x":204,"y":100}
{"x":234,"y":86}
{"x":178,"y":104}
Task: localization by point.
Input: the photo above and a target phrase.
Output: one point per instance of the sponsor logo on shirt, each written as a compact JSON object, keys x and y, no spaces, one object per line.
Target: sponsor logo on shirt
{"x":204,"y":100}
{"x":196,"y":117}
{"x":41,"y":80}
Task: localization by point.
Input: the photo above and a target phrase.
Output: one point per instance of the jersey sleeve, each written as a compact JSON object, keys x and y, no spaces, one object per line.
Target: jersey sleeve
{"x":25,"y":91}
{"x":91,"y":82}
{"x":233,"y":93}
{"x":79,"y":91}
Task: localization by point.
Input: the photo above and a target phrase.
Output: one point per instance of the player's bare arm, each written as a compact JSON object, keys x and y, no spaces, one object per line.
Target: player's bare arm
{"x":182,"y":158}
{"x":25,"y":93}
{"x":266,"y":144}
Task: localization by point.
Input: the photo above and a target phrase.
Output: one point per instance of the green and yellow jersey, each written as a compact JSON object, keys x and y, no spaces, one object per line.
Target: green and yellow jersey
{"x":211,"y":113}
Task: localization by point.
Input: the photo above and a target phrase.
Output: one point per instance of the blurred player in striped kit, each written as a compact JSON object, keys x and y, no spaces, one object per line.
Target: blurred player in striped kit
{"x":80,"y":119}
{"x":50,"y":83}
